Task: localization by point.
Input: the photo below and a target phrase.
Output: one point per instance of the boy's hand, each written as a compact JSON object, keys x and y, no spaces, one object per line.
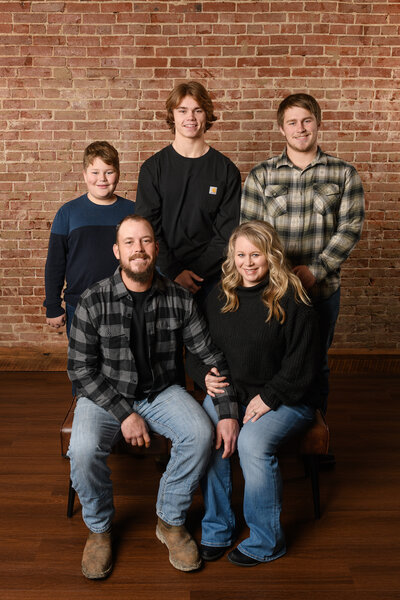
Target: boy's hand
{"x":189,"y":280}
{"x":56,"y":322}
{"x":305,"y":276}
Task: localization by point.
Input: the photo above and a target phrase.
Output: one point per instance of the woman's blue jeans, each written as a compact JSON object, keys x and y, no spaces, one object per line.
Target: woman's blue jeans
{"x":175,"y":415}
{"x":258,"y":443}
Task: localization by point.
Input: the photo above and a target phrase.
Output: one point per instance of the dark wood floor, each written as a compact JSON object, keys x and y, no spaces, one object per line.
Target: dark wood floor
{"x":351,"y":553}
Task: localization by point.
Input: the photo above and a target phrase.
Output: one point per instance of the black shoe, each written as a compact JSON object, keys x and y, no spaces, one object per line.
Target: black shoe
{"x":238,"y":558}
{"x":210,"y":553}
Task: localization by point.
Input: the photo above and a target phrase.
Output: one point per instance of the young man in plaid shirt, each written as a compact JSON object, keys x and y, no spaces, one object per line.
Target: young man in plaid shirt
{"x":316,"y":204}
{"x":125,"y":343}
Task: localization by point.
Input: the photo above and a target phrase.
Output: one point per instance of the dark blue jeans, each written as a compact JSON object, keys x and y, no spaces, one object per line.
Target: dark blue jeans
{"x":328,"y":312}
{"x":69,"y":312}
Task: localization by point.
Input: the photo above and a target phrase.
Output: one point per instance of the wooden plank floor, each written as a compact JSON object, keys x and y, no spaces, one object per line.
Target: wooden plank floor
{"x":351,"y":553}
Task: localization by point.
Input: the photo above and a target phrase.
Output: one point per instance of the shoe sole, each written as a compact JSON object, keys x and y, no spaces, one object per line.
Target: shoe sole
{"x":102,"y":576}
{"x":178,"y":566}
{"x":240,"y":564}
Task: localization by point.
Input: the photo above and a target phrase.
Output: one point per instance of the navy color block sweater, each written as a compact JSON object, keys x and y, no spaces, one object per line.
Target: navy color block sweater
{"x":80,"y":249}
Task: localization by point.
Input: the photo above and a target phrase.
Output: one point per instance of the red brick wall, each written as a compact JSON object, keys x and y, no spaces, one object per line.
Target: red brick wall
{"x":73,"y":72}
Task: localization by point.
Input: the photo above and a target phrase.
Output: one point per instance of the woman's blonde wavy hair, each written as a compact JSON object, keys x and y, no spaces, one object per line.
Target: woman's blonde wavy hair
{"x":264,"y":237}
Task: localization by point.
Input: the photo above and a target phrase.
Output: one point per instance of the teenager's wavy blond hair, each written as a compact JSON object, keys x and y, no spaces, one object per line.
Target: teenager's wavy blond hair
{"x":264,"y":237}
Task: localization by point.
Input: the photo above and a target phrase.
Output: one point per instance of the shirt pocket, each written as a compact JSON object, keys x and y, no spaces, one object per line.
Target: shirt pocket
{"x":213,"y":191}
{"x":325,"y":197}
{"x":170,"y":324}
{"x":276,"y":199}
{"x":112,"y":337}
{"x":168,"y":338}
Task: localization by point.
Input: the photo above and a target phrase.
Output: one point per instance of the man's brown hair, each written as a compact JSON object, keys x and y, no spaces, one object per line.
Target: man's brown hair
{"x":301,"y":100}
{"x":199,"y":93}
{"x":103,"y":150}
{"x":137,"y":219}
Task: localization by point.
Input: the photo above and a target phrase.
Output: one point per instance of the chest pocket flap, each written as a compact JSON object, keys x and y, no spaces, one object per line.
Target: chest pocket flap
{"x":275,"y":197}
{"x":168,"y":324}
{"x":326,"y":196}
{"x":112,"y":337}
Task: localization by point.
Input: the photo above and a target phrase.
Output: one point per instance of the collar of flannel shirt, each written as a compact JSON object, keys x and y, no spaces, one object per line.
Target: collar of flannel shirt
{"x":157,"y":286}
{"x":284,"y":160}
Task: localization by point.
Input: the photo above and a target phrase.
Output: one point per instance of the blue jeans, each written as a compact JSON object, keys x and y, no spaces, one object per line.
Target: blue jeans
{"x":257,"y":446}
{"x":175,"y":415}
{"x":328,"y":312}
{"x":69,"y":314}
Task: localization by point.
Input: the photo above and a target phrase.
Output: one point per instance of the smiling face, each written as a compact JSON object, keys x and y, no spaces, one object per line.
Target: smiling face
{"x":101,"y":180}
{"x":136,"y":250}
{"x":300,"y":129}
{"x":250,"y":262}
{"x":189,"y":119}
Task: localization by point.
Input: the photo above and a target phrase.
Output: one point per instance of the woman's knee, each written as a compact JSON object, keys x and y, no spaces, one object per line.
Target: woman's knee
{"x":254,"y":446}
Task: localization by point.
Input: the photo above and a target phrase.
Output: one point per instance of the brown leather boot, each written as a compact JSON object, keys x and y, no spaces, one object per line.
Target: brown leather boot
{"x":183,"y":552}
{"x":97,"y":555}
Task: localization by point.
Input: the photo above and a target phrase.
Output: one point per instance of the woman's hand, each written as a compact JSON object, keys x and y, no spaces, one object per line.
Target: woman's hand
{"x":215,"y":383}
{"x":256,"y":408}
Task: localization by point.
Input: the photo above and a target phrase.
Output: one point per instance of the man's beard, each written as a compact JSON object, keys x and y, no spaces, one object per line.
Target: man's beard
{"x":142,"y":276}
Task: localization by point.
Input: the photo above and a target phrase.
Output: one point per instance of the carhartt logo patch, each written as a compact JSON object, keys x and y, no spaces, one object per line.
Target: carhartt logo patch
{"x":213,"y":190}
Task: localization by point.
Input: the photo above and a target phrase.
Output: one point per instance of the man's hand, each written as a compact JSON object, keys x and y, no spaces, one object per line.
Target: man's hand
{"x":256,"y":408}
{"x":215,"y":383}
{"x":305,"y":276}
{"x":188,"y":279}
{"x":56,"y":322}
{"x":135,"y":431}
{"x":227,"y":432}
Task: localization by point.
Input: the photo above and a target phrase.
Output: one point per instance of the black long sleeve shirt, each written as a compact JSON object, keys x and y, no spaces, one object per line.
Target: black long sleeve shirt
{"x":276,"y":361}
{"x":193,"y":205}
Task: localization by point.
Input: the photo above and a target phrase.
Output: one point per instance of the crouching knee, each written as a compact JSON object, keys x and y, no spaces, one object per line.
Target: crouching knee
{"x":199,"y":437}
{"x":85,"y":452}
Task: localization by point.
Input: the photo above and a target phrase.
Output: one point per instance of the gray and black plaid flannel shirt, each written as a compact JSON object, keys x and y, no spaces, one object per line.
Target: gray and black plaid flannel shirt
{"x":318,"y":212}
{"x":100,"y":361}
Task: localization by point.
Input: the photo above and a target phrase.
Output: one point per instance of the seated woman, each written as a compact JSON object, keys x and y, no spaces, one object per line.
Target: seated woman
{"x":261,"y":319}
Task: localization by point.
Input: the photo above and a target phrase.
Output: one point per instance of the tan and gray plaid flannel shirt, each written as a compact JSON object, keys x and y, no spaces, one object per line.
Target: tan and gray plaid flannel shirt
{"x":318,"y":212}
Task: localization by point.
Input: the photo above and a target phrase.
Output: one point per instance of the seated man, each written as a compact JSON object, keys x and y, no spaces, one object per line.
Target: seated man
{"x":126,"y":334}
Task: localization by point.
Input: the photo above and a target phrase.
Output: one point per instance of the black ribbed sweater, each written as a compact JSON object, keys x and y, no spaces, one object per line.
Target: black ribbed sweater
{"x":276,"y":361}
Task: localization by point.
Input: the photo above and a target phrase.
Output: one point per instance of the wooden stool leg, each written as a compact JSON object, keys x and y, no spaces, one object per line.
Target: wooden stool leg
{"x":311,"y":464}
{"x":71,"y":500}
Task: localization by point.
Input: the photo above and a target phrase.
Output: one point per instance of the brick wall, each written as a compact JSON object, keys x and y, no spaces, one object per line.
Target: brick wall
{"x":73,"y":72}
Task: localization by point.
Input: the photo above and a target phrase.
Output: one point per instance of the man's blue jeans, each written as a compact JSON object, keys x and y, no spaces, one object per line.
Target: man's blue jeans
{"x":175,"y":415}
{"x":258,"y":443}
{"x":328,"y":312}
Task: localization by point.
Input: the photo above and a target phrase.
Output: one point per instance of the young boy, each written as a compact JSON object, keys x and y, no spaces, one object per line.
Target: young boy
{"x":82,"y":235}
